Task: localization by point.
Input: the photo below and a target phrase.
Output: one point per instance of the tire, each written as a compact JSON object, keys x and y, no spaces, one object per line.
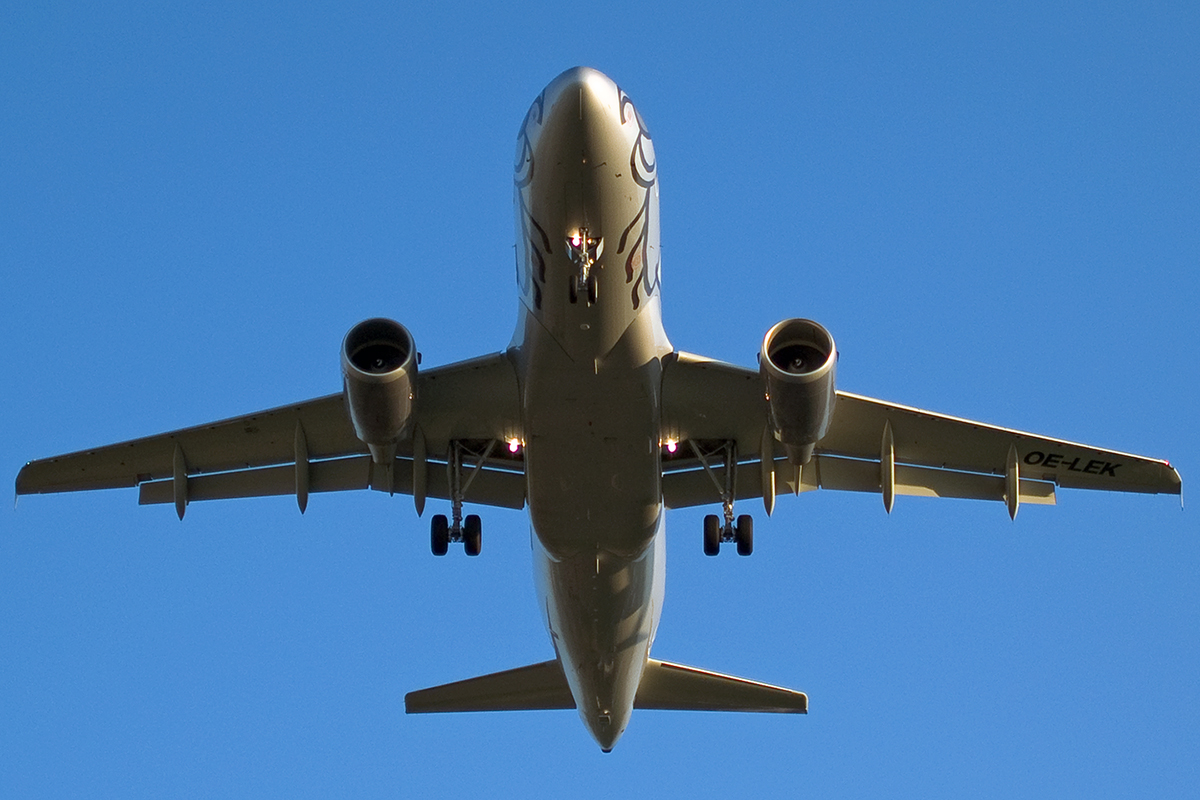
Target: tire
{"x":439,"y":535}
{"x":745,"y":535}
{"x":591,"y":290}
{"x":712,"y":535}
{"x":574,"y":291}
{"x":472,"y":534}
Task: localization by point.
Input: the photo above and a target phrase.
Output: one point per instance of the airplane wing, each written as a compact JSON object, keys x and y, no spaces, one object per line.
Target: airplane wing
{"x":871,"y":446}
{"x":311,"y":447}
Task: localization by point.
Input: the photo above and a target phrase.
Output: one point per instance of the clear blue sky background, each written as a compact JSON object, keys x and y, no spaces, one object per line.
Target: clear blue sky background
{"x":995,"y":212}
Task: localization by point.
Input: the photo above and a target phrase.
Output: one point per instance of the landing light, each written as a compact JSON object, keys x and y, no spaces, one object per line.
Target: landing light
{"x":671,"y":445}
{"x":514,"y":445}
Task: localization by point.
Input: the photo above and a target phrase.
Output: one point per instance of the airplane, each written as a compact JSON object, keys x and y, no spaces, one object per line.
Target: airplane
{"x":592,"y":420}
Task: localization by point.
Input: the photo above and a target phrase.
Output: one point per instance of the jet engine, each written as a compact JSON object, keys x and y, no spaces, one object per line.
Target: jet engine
{"x":798,"y":363}
{"x":379,"y":372}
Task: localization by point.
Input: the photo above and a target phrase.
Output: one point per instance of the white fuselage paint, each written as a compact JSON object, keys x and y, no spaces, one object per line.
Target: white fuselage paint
{"x":590,"y":378}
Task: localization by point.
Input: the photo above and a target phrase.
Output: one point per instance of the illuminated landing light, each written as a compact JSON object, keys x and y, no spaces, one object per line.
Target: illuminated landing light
{"x":514,"y":445}
{"x":672,"y":445}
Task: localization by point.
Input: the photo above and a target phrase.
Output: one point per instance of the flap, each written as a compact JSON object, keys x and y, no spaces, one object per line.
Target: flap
{"x":694,"y":487}
{"x":492,"y":486}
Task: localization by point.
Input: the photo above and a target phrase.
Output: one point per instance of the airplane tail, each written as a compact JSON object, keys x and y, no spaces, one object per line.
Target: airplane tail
{"x":664,"y":686}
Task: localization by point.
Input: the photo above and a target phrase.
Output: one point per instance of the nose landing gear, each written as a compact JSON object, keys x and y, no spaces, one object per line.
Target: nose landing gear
{"x":583,"y":250}
{"x":586,"y":284}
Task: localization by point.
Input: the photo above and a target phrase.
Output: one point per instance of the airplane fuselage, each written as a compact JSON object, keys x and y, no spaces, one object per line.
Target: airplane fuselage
{"x":589,"y":345}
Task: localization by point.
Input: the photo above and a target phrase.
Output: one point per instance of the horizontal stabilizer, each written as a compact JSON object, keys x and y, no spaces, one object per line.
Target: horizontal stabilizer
{"x":664,"y":686}
{"x":533,"y":688}
{"x":676,"y":687}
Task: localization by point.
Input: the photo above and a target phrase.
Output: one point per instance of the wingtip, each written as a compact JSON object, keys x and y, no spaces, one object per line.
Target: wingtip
{"x":17,"y":487}
{"x":22,"y":484}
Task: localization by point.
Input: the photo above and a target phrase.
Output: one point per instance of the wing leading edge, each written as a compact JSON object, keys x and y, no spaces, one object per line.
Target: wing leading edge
{"x":311,"y":447}
{"x":875,"y":446}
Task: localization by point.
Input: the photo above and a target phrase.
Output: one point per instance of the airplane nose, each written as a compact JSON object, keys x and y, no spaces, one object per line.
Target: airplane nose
{"x":581,"y":97}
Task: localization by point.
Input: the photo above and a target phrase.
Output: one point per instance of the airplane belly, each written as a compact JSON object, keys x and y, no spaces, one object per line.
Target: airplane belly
{"x":592,"y":458}
{"x":592,"y":493}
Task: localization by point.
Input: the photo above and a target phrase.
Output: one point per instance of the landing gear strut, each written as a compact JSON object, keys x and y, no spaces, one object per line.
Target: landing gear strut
{"x":717,"y":531}
{"x":468,"y":530}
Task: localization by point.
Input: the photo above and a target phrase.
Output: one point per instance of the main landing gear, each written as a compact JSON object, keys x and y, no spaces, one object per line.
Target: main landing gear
{"x":470,"y":533}
{"x":469,"y":529}
{"x":717,"y":531}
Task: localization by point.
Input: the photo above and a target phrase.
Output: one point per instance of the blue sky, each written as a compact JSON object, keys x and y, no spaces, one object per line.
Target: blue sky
{"x":994,"y":211}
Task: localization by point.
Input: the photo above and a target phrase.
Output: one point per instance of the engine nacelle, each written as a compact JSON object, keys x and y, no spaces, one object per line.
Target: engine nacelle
{"x":798,"y":363}
{"x":379,"y":372}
